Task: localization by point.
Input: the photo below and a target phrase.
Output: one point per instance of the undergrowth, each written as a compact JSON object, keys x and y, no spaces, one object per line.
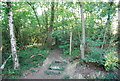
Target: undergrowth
{"x":29,"y":57}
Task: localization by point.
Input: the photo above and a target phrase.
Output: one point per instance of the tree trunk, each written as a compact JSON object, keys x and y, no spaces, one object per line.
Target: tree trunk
{"x":34,"y":13}
{"x":12,"y":37}
{"x":49,"y":40}
{"x":82,"y":46}
{"x":107,"y":29}
{"x":46,"y":28}
{"x":119,"y":28}
{"x":70,"y":42}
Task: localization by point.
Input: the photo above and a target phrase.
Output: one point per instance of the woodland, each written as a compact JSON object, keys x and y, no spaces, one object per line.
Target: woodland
{"x":86,"y":33}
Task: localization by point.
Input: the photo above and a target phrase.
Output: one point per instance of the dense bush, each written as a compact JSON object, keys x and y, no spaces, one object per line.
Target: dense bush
{"x":111,"y":61}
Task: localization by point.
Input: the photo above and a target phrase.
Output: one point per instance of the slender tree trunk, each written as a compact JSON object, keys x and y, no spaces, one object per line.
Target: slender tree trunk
{"x":57,"y":42}
{"x":12,"y":37}
{"x":107,"y":29}
{"x":70,"y":42}
{"x":34,"y":12}
{"x":82,"y":46}
{"x":104,"y":39}
{"x":46,"y":20}
{"x":49,"y":41}
{"x":46,"y":27}
{"x":119,"y":28}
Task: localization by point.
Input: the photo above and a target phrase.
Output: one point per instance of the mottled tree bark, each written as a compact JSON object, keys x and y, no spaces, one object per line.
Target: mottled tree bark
{"x":12,"y":37}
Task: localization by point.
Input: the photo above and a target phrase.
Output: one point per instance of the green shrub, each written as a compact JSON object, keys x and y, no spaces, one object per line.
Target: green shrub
{"x":66,"y":77}
{"x":111,"y":61}
{"x":109,"y":75}
{"x":25,"y":60}
{"x":96,"y":56}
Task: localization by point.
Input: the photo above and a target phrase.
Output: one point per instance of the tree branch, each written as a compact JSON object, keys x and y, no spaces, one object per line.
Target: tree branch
{"x":34,"y":12}
{"x":3,"y":65}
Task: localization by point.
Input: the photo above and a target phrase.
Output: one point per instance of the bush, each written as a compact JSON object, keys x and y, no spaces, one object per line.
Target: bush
{"x":111,"y":60}
{"x":96,"y":56}
{"x":25,"y":60}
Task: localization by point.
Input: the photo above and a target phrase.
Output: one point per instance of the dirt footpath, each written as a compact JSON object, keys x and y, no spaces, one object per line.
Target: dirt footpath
{"x":53,"y":56}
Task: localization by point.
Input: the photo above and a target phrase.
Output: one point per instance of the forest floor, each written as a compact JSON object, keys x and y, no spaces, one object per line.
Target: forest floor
{"x":74,"y":70}
{"x":40,"y":74}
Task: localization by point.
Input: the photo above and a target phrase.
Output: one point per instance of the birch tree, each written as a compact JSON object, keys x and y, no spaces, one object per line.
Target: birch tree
{"x":82,"y":45}
{"x":12,"y":37}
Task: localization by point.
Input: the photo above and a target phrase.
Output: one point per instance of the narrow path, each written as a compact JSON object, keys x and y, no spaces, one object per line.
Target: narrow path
{"x":73,"y":70}
{"x":53,"y":56}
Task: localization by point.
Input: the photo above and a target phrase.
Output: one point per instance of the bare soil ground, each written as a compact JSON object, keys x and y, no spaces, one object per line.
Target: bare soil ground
{"x":40,"y":74}
{"x":75,"y":70}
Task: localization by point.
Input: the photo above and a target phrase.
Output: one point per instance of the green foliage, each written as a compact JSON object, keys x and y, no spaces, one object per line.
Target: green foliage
{"x":95,"y":53}
{"x":32,"y":62}
{"x":111,"y":61}
{"x":26,"y":62}
{"x":110,"y":75}
{"x":66,"y":77}
{"x":75,"y":52}
{"x":10,"y":73}
{"x":67,"y":18}
{"x":33,"y":70}
{"x":96,"y":58}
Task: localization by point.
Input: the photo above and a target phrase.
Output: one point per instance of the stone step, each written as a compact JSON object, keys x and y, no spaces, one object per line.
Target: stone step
{"x":54,"y":67}
{"x":52,"y":72}
{"x":57,"y":65}
{"x":62,"y":63}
